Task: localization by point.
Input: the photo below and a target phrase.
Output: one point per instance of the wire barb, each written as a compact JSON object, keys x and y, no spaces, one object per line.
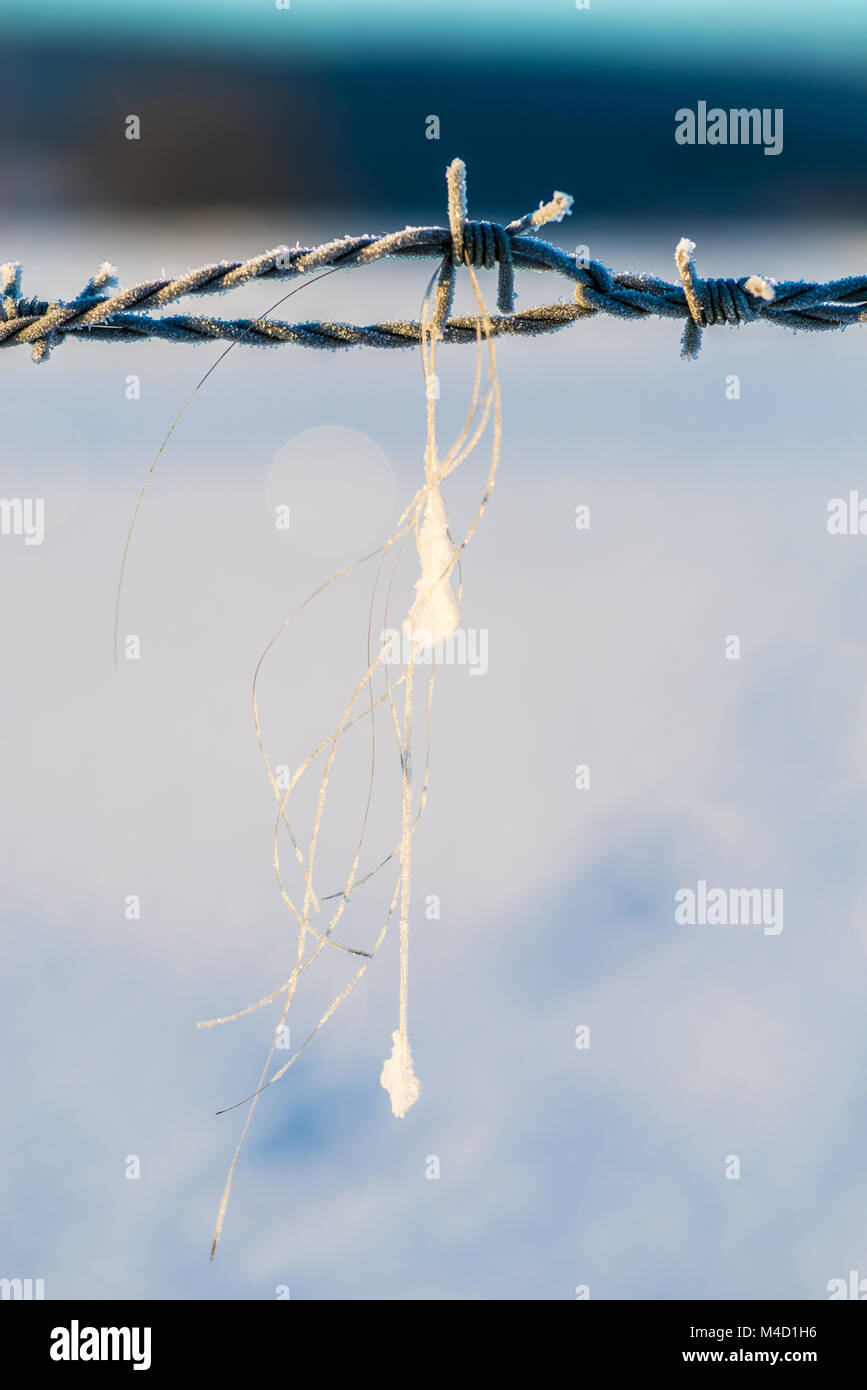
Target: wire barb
{"x":103,"y":313}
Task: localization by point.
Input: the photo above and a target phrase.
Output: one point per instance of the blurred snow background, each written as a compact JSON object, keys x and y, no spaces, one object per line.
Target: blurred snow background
{"x":559,"y":1167}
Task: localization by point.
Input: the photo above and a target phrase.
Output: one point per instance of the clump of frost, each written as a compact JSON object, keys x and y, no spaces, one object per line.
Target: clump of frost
{"x":438,"y":615}
{"x":398,"y":1077}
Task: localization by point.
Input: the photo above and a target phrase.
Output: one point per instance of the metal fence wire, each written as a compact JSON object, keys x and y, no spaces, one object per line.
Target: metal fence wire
{"x":103,"y":313}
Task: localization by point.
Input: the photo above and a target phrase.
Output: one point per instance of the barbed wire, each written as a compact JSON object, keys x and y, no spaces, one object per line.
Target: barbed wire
{"x":97,"y":315}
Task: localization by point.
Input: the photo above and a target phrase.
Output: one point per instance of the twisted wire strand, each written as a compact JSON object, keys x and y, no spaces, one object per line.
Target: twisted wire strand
{"x":101,"y":312}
